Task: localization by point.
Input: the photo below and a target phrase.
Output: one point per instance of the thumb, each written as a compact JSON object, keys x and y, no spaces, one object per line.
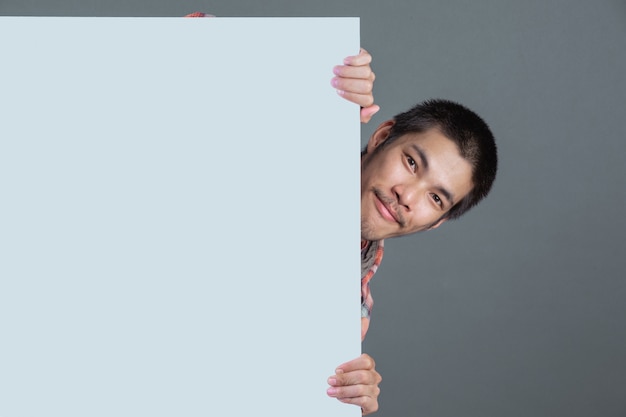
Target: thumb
{"x":368,"y":112}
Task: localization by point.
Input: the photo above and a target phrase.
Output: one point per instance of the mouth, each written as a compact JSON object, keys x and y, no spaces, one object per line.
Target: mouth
{"x":385,"y":209}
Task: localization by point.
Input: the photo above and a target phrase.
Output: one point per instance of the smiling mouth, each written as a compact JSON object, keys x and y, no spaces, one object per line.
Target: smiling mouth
{"x":386,"y":206}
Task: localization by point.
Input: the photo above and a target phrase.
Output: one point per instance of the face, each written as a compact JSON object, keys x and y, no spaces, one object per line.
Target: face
{"x":410,"y":184}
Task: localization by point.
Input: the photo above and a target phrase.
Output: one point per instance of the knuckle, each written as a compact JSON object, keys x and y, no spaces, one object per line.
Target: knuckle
{"x":360,"y":378}
{"x":372,"y":378}
{"x":349,"y":96}
{"x":340,"y":381}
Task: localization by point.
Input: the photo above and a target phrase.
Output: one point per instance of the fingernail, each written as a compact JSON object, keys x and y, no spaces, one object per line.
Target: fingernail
{"x":332,"y":381}
{"x":336,"y":70}
{"x":331,"y":391}
{"x":339,"y":371}
{"x":341,"y":92}
{"x":334,"y":82}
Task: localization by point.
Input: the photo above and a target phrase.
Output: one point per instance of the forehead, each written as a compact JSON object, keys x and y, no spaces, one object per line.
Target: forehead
{"x":432,"y":139}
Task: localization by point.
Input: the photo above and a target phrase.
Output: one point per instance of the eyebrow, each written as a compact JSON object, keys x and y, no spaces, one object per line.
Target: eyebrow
{"x":421,"y":155}
{"x":424,"y":162}
{"x":446,"y":195}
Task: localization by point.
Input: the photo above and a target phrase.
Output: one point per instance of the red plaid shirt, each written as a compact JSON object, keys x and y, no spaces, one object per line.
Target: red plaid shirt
{"x":199,"y":14}
{"x":371,"y":257}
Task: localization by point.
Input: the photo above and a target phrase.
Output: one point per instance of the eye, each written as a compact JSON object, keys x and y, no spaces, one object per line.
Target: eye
{"x":411,"y":163}
{"x":437,"y":200}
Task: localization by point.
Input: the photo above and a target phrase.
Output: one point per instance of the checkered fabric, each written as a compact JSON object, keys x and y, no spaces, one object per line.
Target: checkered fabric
{"x":199,"y":14}
{"x":371,"y":257}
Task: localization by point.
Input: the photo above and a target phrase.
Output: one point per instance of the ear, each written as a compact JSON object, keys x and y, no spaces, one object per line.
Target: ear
{"x":380,"y":135}
{"x":437,"y":224}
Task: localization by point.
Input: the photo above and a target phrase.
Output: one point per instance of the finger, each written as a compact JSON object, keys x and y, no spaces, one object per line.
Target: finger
{"x":361,"y":377}
{"x":368,"y":112}
{"x":363,"y":362}
{"x":353,"y":391}
{"x":363,"y":72}
{"x":363,"y":58}
{"x":352,"y":85}
{"x":363,"y":100}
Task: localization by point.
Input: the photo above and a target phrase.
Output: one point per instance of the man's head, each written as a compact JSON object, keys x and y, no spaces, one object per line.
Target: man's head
{"x":427,"y":165}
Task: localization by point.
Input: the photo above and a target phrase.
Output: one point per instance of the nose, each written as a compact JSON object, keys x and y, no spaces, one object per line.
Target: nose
{"x":407,"y":194}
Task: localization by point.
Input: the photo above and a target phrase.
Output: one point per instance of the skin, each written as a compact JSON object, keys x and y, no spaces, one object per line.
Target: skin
{"x":354,"y":81}
{"x":356,"y":382}
{"x":409,"y":185}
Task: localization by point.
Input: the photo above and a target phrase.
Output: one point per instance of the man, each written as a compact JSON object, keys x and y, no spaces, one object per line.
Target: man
{"x":422,"y":168}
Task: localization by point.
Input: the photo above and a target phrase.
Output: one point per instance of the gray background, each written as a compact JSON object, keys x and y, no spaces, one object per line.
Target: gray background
{"x":518,"y":308}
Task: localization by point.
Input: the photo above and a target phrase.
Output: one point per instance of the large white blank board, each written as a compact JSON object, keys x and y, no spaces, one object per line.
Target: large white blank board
{"x":178,"y":216}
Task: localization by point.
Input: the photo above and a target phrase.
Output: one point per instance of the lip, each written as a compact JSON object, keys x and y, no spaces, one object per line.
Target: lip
{"x":385,"y":210}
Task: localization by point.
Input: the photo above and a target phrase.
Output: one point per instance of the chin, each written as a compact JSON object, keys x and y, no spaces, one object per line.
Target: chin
{"x":367,"y":231}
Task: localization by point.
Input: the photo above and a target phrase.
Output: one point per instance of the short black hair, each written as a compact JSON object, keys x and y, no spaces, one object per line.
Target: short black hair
{"x":467,"y":130}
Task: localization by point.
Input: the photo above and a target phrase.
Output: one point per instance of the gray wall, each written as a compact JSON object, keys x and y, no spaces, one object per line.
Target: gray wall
{"x":518,"y":308}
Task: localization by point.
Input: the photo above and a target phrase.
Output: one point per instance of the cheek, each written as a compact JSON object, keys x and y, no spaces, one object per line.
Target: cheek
{"x":380,"y":170}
